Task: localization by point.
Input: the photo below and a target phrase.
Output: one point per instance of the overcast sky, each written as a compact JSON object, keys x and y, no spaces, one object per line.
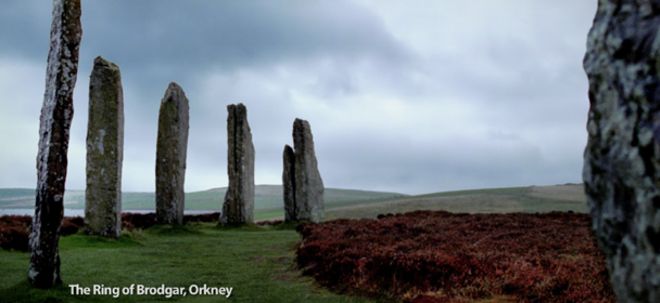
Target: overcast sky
{"x":405,"y":96}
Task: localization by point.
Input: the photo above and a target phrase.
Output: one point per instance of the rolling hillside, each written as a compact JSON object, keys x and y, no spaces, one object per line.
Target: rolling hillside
{"x":567,"y":197}
{"x":266,"y":196}
{"x":344,"y":203}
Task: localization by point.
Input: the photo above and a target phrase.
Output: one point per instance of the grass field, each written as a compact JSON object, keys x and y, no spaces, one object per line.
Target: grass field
{"x":258,"y":262}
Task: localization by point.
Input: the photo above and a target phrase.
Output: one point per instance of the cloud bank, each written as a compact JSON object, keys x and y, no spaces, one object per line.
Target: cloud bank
{"x":415,"y":96}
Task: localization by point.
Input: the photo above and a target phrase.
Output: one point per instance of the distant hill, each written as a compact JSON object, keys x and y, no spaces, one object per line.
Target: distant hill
{"x":266,"y":197}
{"x":347,"y":203}
{"x":566,"y":197}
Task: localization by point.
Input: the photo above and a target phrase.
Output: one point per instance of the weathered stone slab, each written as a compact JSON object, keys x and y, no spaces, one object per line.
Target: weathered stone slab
{"x":303,"y":178}
{"x":238,"y":207}
{"x":105,"y":149}
{"x":55,"y":123}
{"x":621,"y":161}
{"x":288,"y":184}
{"x":173,"y":125}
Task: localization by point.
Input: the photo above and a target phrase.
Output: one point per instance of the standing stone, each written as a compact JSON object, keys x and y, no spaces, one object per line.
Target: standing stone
{"x":105,"y":147}
{"x":302,"y":178}
{"x":171,"y":149}
{"x":238,"y":207}
{"x":55,"y":122}
{"x":621,"y":161}
{"x":289,"y":184}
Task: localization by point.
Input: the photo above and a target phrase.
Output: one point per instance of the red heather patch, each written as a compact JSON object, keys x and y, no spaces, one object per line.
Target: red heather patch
{"x":15,"y":230}
{"x":437,"y":256}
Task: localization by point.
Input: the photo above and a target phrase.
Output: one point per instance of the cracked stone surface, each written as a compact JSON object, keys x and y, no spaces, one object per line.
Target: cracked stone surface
{"x":621,"y":167}
{"x":172,"y":145}
{"x":105,"y":148}
{"x":303,"y":186}
{"x":55,"y":123}
{"x":238,"y":206}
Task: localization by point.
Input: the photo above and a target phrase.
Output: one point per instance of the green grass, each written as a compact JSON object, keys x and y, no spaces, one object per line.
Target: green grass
{"x":269,"y":214}
{"x":258,"y":262}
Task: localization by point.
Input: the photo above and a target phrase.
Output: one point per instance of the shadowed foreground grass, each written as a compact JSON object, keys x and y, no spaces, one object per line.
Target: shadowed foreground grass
{"x":256,"y":261}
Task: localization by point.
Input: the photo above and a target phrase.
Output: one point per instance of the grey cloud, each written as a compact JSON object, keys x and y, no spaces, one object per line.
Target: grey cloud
{"x":423,"y":97}
{"x":168,"y":37}
{"x":442,"y":165}
{"x":204,"y":32}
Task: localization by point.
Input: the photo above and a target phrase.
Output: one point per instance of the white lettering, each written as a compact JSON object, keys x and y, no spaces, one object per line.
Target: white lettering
{"x":206,"y":290}
{"x":142,"y":290}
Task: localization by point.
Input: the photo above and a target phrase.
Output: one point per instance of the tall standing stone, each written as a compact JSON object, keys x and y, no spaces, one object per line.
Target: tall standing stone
{"x":622,"y":157}
{"x":55,"y":122}
{"x":173,"y":125}
{"x":105,"y":148}
{"x":289,"y":184}
{"x":303,"y":186}
{"x":238,"y":207}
